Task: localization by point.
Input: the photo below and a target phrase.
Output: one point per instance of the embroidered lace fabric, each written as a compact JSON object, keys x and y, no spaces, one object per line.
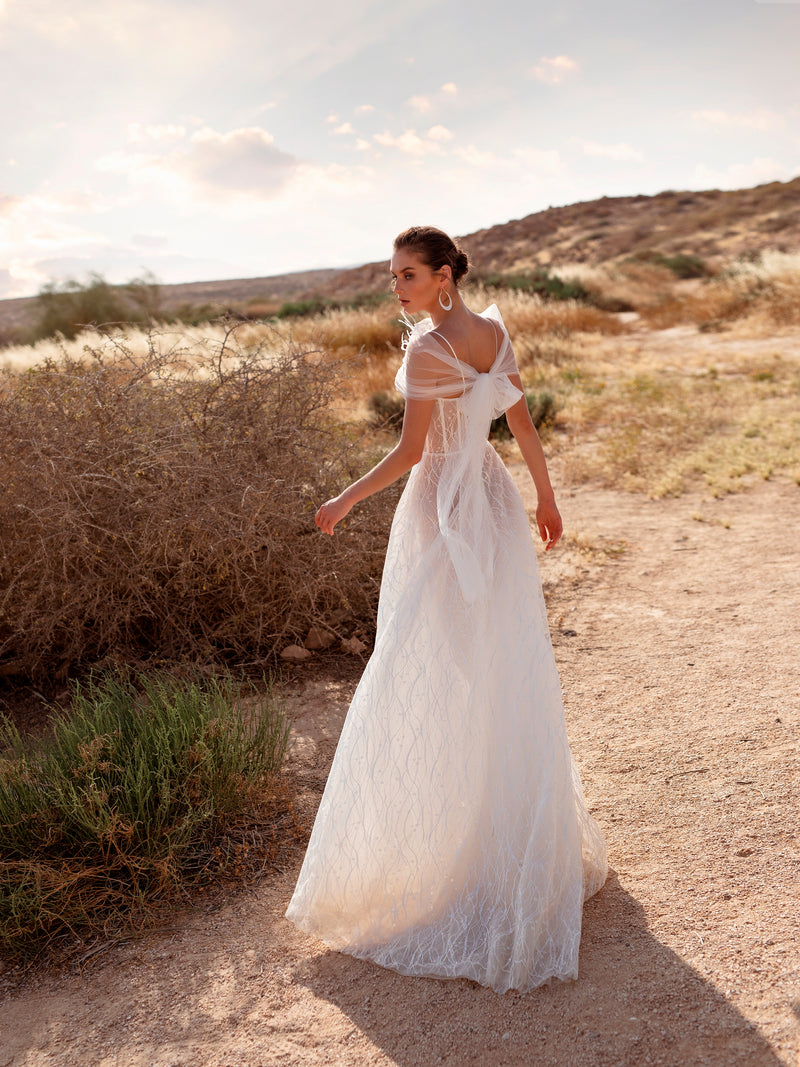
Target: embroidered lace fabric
{"x":453,"y":838}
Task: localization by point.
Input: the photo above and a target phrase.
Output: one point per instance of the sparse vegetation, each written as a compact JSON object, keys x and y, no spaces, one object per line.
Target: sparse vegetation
{"x":132,"y":797}
{"x":160,"y":486}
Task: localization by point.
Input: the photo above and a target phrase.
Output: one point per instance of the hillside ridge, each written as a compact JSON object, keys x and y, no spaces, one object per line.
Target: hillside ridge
{"x":716,"y":225}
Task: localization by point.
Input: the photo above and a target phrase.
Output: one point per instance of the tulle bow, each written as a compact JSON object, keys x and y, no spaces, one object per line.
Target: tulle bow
{"x":464,"y":510}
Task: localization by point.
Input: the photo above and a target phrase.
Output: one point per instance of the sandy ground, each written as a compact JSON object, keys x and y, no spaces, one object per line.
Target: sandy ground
{"x":677,"y":641}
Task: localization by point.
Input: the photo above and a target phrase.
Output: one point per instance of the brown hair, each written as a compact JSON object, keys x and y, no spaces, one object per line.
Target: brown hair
{"x":435,"y":249}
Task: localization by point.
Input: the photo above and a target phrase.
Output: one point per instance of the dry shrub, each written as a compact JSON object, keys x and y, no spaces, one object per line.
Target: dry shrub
{"x":626,"y":285}
{"x":529,"y":314}
{"x":761,"y":292}
{"x":162,"y":506}
{"x":368,"y":338}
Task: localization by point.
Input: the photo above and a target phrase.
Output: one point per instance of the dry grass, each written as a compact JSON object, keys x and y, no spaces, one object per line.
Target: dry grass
{"x":161,"y":505}
{"x":752,"y":295}
{"x":629,"y":284}
{"x":664,"y":431}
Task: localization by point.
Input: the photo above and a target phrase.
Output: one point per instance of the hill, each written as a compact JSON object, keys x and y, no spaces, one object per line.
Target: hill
{"x":714,"y":224}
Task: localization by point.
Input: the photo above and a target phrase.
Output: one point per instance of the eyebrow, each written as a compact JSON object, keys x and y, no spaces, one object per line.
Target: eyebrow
{"x":403,"y":270}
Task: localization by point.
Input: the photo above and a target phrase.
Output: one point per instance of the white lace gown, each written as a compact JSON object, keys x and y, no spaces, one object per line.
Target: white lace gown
{"x":452,"y":838}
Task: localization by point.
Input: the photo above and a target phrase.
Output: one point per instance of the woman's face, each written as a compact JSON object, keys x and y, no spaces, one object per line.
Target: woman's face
{"x":414,"y":284}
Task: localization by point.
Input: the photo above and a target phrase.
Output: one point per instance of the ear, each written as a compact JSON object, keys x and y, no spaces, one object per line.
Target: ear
{"x":446,"y":273}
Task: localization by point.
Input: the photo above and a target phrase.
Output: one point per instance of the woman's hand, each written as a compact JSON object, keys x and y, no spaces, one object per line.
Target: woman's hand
{"x":331,"y":512}
{"x":549,"y":522}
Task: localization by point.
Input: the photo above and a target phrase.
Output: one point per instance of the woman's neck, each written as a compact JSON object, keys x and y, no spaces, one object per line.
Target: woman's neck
{"x":439,"y":316}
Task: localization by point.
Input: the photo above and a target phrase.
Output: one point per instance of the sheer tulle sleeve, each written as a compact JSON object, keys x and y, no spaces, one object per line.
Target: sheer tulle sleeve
{"x":431,"y":371}
{"x":428,"y":370}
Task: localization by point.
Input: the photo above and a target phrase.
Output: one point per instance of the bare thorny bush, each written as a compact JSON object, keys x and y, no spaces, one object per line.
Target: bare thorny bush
{"x":161,"y":507}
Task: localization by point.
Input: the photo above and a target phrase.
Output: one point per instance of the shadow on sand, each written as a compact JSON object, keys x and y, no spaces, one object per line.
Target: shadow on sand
{"x":636,"y":1003}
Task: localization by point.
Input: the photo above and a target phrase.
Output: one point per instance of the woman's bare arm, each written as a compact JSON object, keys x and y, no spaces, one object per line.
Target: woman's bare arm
{"x":519,"y":421}
{"x":405,"y":454}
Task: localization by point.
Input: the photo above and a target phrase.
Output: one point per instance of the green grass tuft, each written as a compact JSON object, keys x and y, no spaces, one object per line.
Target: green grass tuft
{"x":117,"y":810}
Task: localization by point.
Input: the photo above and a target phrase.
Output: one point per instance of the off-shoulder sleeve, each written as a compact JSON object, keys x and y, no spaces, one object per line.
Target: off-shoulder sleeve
{"x":427,"y":372}
{"x":506,"y":361}
{"x":430,"y":370}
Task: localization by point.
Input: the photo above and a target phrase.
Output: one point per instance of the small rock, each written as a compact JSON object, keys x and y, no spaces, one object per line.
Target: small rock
{"x":318,"y":638}
{"x":352,"y":644}
{"x":295,"y":653}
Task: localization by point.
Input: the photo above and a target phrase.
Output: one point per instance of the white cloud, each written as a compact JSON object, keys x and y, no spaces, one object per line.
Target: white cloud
{"x":741,"y":175}
{"x":137,"y":133}
{"x":242,"y":161}
{"x":332,"y":119}
{"x":344,"y":128}
{"x":621,"y":151}
{"x":425,"y":104}
{"x":8,"y":204}
{"x":412,"y":144}
{"x":364,"y":109}
{"x":420,"y":103}
{"x":553,"y":71}
{"x":125,"y":30}
{"x":474,"y":157}
{"x":213,"y":164}
{"x":362,"y":145}
{"x":35,"y":229}
{"x":761,"y":119}
{"x":439,"y":133}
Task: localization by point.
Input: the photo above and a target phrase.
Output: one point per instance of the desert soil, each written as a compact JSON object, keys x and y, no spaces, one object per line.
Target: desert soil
{"x":675,"y":626}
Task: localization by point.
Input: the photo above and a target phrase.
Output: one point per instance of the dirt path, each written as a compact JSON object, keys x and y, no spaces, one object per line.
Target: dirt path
{"x":678,"y":652}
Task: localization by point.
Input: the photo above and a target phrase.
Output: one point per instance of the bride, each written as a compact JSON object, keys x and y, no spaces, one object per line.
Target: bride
{"x":452,"y":838}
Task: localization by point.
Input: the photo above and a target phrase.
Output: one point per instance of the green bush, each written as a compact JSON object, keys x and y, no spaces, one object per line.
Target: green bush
{"x":543,"y":408}
{"x":298,"y":309}
{"x":68,"y":307}
{"x":118,"y":809}
{"x":387,"y":410}
{"x":549,"y":286}
{"x":682,"y":265}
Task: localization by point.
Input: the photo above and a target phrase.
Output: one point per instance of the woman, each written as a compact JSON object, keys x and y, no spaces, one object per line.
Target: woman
{"x":452,"y":838}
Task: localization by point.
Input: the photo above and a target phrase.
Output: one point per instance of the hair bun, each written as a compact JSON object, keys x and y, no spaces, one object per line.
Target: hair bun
{"x":460,"y":265}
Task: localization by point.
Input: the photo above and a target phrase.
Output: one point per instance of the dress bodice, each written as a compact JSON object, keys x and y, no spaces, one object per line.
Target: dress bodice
{"x":466,"y":402}
{"x":447,"y":429}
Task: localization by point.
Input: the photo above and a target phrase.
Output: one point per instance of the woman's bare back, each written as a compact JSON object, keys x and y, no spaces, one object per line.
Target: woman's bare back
{"x":474,"y":340}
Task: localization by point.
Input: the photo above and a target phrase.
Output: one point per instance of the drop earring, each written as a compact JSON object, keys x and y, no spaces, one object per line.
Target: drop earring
{"x":449,"y":304}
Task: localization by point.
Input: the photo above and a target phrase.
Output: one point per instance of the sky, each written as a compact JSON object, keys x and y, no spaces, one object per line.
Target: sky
{"x":214,"y":139}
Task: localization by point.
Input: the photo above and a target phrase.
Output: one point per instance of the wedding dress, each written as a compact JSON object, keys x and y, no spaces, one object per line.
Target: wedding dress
{"x":452,"y":838}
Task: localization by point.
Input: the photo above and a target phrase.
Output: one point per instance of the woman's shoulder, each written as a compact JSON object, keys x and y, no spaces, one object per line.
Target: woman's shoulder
{"x":415,"y":333}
